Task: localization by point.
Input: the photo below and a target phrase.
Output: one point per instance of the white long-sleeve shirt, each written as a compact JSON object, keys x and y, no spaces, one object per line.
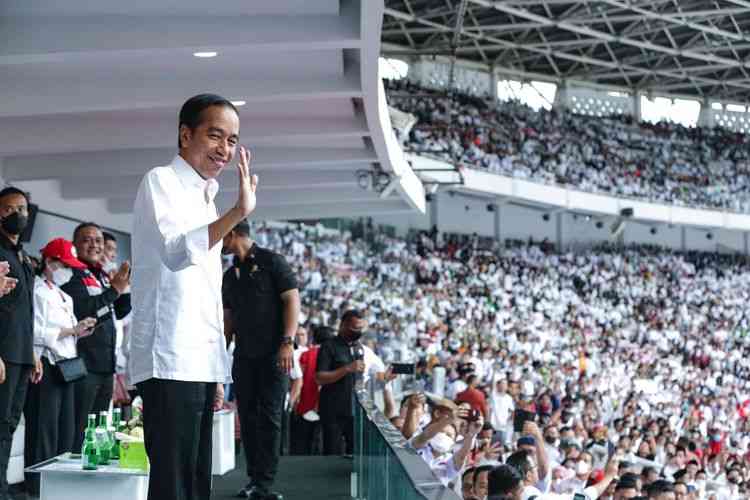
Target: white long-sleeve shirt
{"x":53,"y":311}
{"x":177,"y":325}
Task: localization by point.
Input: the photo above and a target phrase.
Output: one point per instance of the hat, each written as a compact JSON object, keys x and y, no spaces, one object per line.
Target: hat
{"x":526,"y":441}
{"x":64,"y":251}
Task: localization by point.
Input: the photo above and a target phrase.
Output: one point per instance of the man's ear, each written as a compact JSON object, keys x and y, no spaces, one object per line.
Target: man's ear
{"x":185,"y":135}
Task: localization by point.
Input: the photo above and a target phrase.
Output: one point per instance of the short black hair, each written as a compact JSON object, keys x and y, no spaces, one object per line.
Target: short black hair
{"x":470,"y":470}
{"x":322,"y":334}
{"x":242,"y":228}
{"x":481,"y":469}
{"x":626,"y":484}
{"x":503,"y":479}
{"x":109,"y":236}
{"x":660,"y":486}
{"x":10,"y":190}
{"x":520,"y":460}
{"x":191,"y":113}
{"x":351,"y":313}
{"x":83,"y":225}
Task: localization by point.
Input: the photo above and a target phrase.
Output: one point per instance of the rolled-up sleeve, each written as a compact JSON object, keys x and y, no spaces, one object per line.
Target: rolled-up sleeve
{"x":179,"y":246}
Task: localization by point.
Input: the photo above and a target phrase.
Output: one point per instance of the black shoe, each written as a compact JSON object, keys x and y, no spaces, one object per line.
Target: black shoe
{"x":245,"y":492}
{"x":258,"y":493}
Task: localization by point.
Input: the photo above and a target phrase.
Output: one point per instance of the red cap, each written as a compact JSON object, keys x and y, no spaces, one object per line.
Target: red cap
{"x":64,"y":251}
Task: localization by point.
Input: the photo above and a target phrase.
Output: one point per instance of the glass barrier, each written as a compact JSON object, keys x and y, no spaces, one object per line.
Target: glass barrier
{"x":385,"y":469}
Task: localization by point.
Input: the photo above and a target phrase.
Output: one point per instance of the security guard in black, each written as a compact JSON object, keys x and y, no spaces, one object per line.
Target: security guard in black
{"x":261,"y":303}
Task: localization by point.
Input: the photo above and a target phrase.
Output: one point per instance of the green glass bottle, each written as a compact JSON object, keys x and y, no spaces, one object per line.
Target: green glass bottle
{"x":102,"y":439}
{"x":115,"y":453}
{"x":90,"y":450}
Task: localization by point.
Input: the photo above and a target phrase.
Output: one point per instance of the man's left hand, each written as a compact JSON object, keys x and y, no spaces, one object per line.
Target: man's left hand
{"x":219,"y":397}
{"x":286,"y":358}
{"x":37,"y":372}
{"x":389,"y":375}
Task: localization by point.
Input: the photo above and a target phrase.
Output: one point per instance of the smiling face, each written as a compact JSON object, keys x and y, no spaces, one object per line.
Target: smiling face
{"x":212,"y":144}
{"x":89,"y":244}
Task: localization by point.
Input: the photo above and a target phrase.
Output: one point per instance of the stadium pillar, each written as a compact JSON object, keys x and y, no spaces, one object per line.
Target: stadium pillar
{"x":498,"y":215}
{"x":493,"y":83}
{"x":559,"y":231}
{"x":637,"y":105}
{"x":705,"y":117}
{"x":683,"y":238}
{"x":561,"y":96}
{"x":747,"y":246}
{"x":434,"y":211}
{"x":416,"y":69}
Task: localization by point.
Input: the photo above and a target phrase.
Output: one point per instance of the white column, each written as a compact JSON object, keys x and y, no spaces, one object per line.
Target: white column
{"x":747,"y":243}
{"x":493,"y":83}
{"x":637,"y":105}
{"x":434,"y":211}
{"x":683,"y":238}
{"x":561,"y":96}
{"x":706,"y":115}
{"x":559,"y":230}
{"x":498,"y":215}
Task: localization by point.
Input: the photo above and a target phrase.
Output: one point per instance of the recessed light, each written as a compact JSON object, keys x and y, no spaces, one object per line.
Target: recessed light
{"x":239,"y":103}
{"x":205,"y":55}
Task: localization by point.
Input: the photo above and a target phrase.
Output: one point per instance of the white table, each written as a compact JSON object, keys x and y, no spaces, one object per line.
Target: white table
{"x":63,"y":478}
{"x":222,"y":456}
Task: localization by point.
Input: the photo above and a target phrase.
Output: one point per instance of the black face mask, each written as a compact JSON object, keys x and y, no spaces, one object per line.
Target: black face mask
{"x":15,"y":223}
{"x":354,"y":335}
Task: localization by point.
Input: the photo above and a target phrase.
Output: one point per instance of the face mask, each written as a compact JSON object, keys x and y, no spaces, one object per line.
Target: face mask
{"x":354,"y":335}
{"x":582,"y":468}
{"x":15,"y":223}
{"x":441,"y":443}
{"x":62,"y":275}
{"x":109,"y":267}
{"x":552,"y":440}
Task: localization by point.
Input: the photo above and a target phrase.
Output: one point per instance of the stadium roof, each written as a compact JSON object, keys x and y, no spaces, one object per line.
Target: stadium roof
{"x":695,"y":47}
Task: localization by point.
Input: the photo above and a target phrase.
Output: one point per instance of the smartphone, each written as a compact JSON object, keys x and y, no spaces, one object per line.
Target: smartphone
{"x":473,"y":415}
{"x":404,"y":368}
{"x":498,"y":438}
{"x":520,"y":417}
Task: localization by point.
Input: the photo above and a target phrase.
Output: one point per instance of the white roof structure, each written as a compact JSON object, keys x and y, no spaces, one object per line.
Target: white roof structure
{"x":90,"y":93}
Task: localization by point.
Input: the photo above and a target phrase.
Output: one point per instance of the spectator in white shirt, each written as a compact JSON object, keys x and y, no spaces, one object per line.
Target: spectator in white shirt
{"x":50,"y":404}
{"x":178,"y":356}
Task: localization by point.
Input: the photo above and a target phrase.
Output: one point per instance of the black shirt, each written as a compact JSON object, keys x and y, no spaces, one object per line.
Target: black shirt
{"x":336,"y":399}
{"x":94,"y":298}
{"x":252,"y":290}
{"x":17,"y":308}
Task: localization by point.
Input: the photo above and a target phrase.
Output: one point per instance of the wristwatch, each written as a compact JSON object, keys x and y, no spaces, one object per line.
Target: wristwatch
{"x":287,"y":341}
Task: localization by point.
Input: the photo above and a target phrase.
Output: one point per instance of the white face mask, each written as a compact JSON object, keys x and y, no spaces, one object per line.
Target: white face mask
{"x":441,"y":443}
{"x":109,"y":267}
{"x":582,"y":468}
{"x":62,"y":275}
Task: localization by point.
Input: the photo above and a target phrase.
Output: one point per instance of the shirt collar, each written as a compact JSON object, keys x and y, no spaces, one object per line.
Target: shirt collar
{"x":189,"y":177}
{"x":9,"y":245}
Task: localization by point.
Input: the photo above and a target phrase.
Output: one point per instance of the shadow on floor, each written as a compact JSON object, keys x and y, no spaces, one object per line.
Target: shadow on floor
{"x":299,"y":477}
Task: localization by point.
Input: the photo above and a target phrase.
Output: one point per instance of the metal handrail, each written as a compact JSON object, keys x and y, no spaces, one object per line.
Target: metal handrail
{"x":426,"y":485}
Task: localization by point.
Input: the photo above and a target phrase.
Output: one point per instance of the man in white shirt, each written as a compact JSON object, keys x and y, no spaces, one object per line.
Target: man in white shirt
{"x":178,"y":356}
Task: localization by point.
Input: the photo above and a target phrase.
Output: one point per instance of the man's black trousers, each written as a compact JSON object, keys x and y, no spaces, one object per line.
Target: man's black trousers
{"x":92,"y":395}
{"x":260,"y":389}
{"x":12,"y":400}
{"x":336,"y":429}
{"x":178,"y":424}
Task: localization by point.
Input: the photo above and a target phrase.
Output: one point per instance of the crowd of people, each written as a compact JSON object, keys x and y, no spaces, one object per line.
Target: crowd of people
{"x":663,"y":162}
{"x":549,"y":360}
